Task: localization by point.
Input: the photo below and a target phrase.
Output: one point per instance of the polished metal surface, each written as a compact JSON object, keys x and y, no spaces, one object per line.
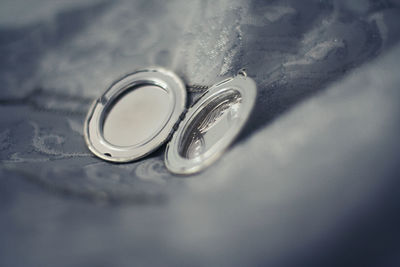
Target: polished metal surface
{"x":314,"y":180}
{"x":135,"y":115}
{"x":211,"y":125}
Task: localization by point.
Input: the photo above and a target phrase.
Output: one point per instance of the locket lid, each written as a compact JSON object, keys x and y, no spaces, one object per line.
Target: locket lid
{"x":135,"y":115}
{"x":211,"y":125}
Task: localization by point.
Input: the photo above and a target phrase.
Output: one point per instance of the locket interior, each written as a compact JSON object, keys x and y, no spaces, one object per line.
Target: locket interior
{"x":141,"y":111}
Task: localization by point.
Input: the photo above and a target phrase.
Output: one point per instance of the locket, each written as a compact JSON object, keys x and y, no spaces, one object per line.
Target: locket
{"x":145,"y":109}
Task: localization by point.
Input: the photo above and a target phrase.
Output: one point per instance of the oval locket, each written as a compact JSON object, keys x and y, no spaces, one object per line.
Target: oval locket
{"x":140,"y":112}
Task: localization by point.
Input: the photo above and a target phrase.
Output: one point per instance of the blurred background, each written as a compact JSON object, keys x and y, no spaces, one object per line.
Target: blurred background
{"x":313,"y":179}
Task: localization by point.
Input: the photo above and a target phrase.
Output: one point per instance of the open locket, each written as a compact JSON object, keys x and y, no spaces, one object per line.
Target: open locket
{"x":141,"y":111}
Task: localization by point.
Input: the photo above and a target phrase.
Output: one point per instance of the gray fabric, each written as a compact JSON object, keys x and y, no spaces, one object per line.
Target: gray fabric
{"x":312,"y":180}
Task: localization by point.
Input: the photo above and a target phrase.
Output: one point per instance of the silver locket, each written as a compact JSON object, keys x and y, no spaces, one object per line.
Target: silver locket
{"x":141,"y":111}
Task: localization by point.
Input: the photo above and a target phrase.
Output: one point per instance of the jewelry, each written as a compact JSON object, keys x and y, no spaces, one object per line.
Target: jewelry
{"x":141,"y":111}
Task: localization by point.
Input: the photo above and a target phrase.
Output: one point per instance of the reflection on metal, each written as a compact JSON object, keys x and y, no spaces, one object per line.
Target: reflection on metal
{"x":214,"y":119}
{"x":139,"y":113}
{"x":211,"y":125}
{"x":135,"y":115}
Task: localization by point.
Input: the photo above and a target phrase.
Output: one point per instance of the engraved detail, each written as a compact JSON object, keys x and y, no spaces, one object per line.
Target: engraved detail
{"x":210,"y":123}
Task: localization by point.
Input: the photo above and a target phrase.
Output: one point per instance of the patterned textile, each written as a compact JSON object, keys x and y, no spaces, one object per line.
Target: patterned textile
{"x":311,"y":181}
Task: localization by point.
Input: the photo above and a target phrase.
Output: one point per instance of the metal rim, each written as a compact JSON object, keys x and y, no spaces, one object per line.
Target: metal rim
{"x":178,"y":164}
{"x":93,"y":127}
